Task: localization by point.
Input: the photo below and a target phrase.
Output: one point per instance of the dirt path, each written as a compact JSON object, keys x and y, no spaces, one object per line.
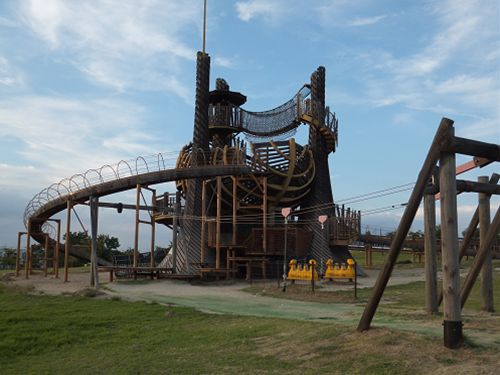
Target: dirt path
{"x":226,"y":297}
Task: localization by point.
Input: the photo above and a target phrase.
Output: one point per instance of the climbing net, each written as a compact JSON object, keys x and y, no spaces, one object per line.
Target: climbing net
{"x":279,"y":123}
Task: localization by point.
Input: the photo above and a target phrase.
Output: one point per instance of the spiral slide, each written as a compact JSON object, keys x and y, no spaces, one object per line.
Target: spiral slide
{"x":109,"y":180}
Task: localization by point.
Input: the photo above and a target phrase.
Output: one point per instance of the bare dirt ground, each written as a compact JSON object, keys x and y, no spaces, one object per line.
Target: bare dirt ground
{"x":227,"y":297}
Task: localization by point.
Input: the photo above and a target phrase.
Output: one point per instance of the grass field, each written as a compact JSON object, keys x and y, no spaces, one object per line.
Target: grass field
{"x":80,"y":335}
{"x":42,"y":334}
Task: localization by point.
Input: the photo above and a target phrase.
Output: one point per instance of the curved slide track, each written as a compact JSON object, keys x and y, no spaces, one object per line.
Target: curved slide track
{"x":125,"y":175}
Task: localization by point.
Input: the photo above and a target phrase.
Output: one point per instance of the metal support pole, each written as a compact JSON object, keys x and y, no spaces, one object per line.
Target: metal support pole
{"x":284,"y":254}
{"x":94,"y":212}
{"x":449,"y":250}
{"x":285,"y":212}
{"x":431,"y":293}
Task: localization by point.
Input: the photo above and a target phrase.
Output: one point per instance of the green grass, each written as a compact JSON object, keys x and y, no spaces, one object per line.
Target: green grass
{"x":41,"y":334}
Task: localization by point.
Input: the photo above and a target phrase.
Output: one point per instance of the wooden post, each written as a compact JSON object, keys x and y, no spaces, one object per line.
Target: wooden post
{"x":479,"y":258}
{"x":487,"y":270}
{"x":203,"y":219}
{"x":18,"y":253}
{"x":235,"y":208}
{"x":404,"y":226}
{"x":264,"y":209}
{"x":184,"y":243}
{"x":449,"y":249}
{"x":175,"y":228}
{"x":69,"y":207}
{"x":136,"y":231}
{"x":217,"y":234}
{"x":45,"y":261}
{"x":153,"y":229}
{"x":56,"y":250}
{"x":28,"y":248}
{"x":431,"y":293}
{"x":94,"y":212}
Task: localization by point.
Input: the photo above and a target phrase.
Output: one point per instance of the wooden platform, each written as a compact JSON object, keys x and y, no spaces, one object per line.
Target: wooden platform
{"x":143,"y":270}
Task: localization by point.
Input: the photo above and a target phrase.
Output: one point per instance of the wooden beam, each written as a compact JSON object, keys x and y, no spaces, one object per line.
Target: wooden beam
{"x":404,"y":225}
{"x":470,"y":147}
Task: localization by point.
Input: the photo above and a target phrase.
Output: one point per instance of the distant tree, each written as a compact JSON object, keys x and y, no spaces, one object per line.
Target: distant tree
{"x":417,"y":234}
{"x":129,"y":251}
{"x":9,"y":261}
{"x":476,"y":234}
{"x":107,"y":246}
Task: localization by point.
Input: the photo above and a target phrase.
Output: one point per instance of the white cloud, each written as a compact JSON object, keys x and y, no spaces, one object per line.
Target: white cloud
{"x":254,"y":8}
{"x":9,"y":76}
{"x":224,"y":62}
{"x":365,"y":21}
{"x":119,"y":44}
{"x":8,"y":23}
{"x":88,"y":133}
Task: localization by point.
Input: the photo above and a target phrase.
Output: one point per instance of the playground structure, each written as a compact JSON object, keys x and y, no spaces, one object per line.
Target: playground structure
{"x":232,"y":181}
{"x":226,"y":213}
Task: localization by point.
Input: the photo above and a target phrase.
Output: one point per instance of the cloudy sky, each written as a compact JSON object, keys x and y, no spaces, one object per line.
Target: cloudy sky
{"x":88,"y":83}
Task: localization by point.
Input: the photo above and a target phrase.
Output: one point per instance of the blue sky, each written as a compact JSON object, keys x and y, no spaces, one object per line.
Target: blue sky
{"x":88,"y":83}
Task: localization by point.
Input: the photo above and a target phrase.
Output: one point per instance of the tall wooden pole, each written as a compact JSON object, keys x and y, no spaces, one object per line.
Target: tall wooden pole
{"x":431,"y":293}
{"x":404,"y":226}
{"x":487,"y":270}
{"x":449,"y":249}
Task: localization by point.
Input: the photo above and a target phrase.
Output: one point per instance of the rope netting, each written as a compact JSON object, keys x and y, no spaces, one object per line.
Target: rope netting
{"x":279,"y":123}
